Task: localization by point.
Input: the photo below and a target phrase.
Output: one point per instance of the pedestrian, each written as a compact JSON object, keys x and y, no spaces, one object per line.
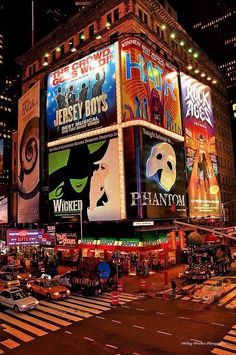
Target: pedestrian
{"x":173,"y":286}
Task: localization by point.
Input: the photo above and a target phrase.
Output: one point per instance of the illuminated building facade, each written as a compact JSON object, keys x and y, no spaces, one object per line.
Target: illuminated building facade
{"x":104,"y":98}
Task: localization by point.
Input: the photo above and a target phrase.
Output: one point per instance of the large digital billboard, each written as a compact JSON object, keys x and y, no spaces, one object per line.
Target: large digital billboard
{"x":21,"y":237}
{"x":201,"y":160}
{"x":87,"y":171}
{"x":82,"y":95}
{"x":149,"y":86}
{"x":28,"y":155}
{"x":154,"y":171}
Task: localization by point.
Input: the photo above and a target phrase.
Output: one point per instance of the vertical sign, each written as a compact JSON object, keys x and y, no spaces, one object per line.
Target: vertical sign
{"x":201,"y":161}
{"x":149,"y":86}
{"x":28,"y":156}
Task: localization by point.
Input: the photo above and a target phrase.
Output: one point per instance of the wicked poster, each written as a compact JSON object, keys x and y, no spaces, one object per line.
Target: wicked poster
{"x":85,"y":173}
{"x":155,"y":178}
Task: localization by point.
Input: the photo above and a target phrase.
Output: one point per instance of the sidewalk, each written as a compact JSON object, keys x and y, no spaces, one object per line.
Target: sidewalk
{"x":159,"y":280}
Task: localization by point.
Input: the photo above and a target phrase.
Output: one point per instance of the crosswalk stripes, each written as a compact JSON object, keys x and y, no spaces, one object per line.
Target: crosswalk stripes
{"x":51,"y":316}
{"x":228,"y":345}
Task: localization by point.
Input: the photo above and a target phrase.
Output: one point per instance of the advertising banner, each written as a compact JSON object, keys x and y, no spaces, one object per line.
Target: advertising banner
{"x":1,"y":155}
{"x":28,"y":156}
{"x":155,"y":181}
{"x":82,"y":95}
{"x":20,"y":237}
{"x":85,"y":171}
{"x":66,"y":239}
{"x":149,"y":86}
{"x":201,"y":160}
{"x":3,"y":204}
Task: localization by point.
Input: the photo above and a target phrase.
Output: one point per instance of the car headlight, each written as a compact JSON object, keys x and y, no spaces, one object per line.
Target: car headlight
{"x":19,"y":277}
{"x":23,"y":306}
{"x":56,"y":293}
{"x":186,"y":272}
{"x":68,"y":292}
{"x":36,"y":302}
{"x":30,"y":275}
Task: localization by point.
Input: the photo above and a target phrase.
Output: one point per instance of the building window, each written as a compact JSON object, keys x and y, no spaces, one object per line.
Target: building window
{"x":62,"y":49}
{"x":143,"y":16}
{"x":81,"y":37}
{"x":54,"y":55}
{"x":116,"y":15}
{"x":91,"y":31}
{"x":109,"y":18}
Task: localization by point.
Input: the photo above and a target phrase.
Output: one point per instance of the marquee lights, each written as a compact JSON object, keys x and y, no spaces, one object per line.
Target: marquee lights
{"x":190,"y":50}
{"x":98,"y":37}
{"x":172,"y":35}
{"x":203,"y":75}
{"x":182,"y":43}
{"x":196,"y":71}
{"x":163,"y":27}
{"x":189,"y":67}
{"x":196,"y":55}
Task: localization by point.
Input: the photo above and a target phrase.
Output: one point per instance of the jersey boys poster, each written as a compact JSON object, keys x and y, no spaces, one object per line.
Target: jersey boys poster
{"x":82,"y":95}
{"x":149,"y":86}
{"x":201,"y":161}
{"x":87,"y":171}
{"x":28,"y":156}
{"x":154,"y":170}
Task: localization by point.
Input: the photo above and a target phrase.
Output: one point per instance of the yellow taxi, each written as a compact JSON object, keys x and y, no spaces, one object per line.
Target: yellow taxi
{"x":48,"y":288}
{"x":8,"y":280}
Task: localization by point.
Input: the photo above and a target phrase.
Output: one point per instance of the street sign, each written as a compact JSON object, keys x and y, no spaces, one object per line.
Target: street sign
{"x":143,"y":223}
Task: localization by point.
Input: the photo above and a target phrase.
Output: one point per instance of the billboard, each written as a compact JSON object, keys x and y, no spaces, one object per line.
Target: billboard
{"x":20,"y":237}
{"x":1,"y":155}
{"x":82,"y":95}
{"x":85,"y":174}
{"x":201,"y":160}
{"x":154,"y":170}
{"x":28,"y":155}
{"x":149,"y":86}
{"x":3,"y":204}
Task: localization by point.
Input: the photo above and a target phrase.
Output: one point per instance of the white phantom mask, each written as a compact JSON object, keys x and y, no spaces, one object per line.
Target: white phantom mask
{"x":162,"y":164}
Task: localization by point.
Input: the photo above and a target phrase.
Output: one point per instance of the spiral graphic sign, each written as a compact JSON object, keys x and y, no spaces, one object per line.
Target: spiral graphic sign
{"x":28,"y":156}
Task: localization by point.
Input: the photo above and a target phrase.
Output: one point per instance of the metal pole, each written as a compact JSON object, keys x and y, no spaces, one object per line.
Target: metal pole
{"x":32,"y":17}
{"x":81,"y":234}
{"x":204,"y":229}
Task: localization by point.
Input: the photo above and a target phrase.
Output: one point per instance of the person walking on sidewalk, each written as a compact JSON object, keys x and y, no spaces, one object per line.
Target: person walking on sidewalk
{"x":173,"y":286}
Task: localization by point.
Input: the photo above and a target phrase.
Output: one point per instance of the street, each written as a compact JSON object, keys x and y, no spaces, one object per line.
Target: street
{"x":140,"y":325}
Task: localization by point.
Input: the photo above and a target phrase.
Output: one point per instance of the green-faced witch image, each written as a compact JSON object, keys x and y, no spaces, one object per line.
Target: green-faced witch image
{"x":81,"y":177}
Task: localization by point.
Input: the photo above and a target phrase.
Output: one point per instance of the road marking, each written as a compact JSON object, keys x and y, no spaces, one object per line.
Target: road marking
{"x":221,"y":325}
{"x":228,"y":297}
{"x":56,"y":313}
{"x":76,"y":306}
{"x":140,"y":309}
{"x":138,"y":326}
{"x":184,"y":317}
{"x":221,"y":352}
{"x":66,"y":331}
{"x":111,"y":346}
{"x":34,"y":320}
{"x":89,"y":303}
{"x":160,"y":313}
{"x":125,"y":306}
{"x":232,"y":339}
{"x":223,"y":344}
{"x":9,"y":343}
{"x":96,"y":300}
{"x":17,"y":333}
{"x":90,"y":339}
{"x":161,"y":332}
{"x":233,"y":332}
{"x":99,"y":317}
{"x":23,"y":325}
{"x":66,"y":309}
{"x":197,"y":341}
{"x":116,"y":321}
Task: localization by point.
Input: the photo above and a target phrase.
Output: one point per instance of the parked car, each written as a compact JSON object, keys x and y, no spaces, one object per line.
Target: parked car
{"x":48,"y":288}
{"x":17,"y":299}
{"x":18,"y":271}
{"x":210,"y":291}
{"x":8,"y":280}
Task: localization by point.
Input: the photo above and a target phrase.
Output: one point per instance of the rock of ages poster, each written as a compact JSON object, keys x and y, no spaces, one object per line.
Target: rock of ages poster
{"x":201,"y":160}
